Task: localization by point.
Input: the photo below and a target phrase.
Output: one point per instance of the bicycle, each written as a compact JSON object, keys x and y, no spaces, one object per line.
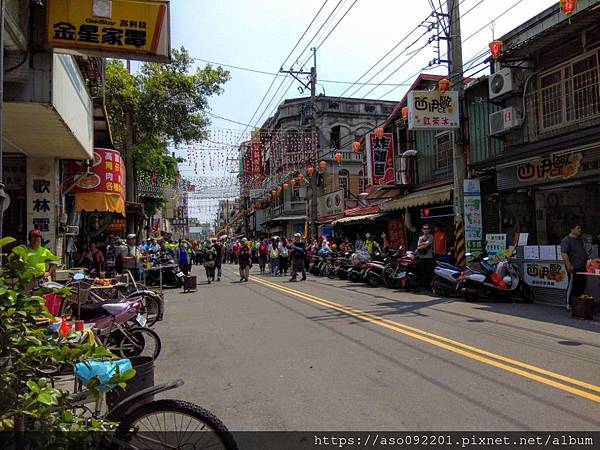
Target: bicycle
{"x":85,"y":290}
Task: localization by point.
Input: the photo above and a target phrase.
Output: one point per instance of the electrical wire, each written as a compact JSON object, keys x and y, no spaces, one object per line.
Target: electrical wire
{"x":275,"y":77}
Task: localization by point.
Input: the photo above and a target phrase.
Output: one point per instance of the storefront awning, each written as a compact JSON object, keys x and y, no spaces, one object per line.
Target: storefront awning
{"x":432,"y":196}
{"x":357,"y":219}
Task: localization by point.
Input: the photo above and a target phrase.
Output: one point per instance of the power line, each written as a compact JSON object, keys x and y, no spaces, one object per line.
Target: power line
{"x":275,"y":77}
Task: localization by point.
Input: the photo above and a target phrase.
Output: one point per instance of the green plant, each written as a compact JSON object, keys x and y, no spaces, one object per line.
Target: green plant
{"x":28,"y":352}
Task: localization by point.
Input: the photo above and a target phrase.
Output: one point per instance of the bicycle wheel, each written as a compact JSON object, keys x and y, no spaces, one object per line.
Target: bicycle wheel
{"x":174,"y":424}
{"x":139,"y":342}
{"x":150,"y":306}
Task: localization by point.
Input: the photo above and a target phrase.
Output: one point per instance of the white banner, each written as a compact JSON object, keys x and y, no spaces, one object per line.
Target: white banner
{"x":332,"y":203}
{"x":431,"y":110}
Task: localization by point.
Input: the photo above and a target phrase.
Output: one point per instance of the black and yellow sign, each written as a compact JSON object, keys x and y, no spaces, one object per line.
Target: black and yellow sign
{"x":131,"y":29}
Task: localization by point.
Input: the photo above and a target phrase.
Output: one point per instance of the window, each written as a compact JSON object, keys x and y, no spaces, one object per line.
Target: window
{"x":566,"y":95}
{"x":343,"y":181}
{"x":443,"y":153}
{"x":361,"y":182}
{"x":370,"y":108}
{"x":335,"y":137}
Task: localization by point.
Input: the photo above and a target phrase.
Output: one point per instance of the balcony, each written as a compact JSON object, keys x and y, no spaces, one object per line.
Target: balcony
{"x":51,"y":114}
{"x":567,"y":98}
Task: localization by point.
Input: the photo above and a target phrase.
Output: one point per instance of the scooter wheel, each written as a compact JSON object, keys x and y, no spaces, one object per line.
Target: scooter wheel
{"x":526,"y":293}
{"x":439,"y":291}
{"x":373,"y":280}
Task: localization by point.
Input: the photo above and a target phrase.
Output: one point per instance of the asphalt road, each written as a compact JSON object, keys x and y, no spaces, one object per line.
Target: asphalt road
{"x":333,"y":355}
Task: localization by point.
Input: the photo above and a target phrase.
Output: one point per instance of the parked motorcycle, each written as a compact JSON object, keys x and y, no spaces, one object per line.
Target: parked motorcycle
{"x":496,"y":281}
{"x":376,"y":268}
{"x":171,"y":273}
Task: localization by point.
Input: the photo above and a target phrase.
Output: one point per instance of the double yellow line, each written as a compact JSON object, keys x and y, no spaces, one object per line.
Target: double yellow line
{"x":547,"y":377}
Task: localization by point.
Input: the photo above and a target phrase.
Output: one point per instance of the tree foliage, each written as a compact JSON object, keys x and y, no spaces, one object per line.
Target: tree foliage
{"x":165,"y":104}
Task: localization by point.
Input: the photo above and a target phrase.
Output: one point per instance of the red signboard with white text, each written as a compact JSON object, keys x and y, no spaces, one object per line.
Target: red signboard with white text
{"x":106,"y":175}
{"x":380,"y":160}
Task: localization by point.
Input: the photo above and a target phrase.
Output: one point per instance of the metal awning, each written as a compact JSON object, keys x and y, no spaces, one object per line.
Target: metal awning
{"x":357,"y":219}
{"x":432,"y":196}
{"x":287,"y":218}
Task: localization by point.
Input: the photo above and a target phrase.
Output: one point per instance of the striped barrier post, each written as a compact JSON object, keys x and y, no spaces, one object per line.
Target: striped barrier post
{"x":459,"y":234}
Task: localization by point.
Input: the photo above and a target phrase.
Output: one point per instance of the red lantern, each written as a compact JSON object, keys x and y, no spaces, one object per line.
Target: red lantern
{"x":568,"y":6}
{"x":301,"y":178}
{"x":444,"y":85}
{"x":293,"y":182}
{"x":496,"y":49}
{"x":285,"y":185}
{"x":310,"y":171}
{"x":338,"y":157}
{"x":356,"y":146}
{"x":405,"y":113}
{"x":322,"y":165}
{"x":379,"y":132}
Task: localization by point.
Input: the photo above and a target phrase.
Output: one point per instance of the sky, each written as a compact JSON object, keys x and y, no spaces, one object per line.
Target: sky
{"x":260,"y":34}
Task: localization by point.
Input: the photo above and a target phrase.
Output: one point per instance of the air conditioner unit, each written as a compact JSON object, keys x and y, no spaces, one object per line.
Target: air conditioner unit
{"x":503,"y":121}
{"x":500,"y":83}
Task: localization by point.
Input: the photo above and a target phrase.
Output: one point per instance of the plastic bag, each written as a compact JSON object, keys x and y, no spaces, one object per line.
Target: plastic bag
{"x":103,"y":370}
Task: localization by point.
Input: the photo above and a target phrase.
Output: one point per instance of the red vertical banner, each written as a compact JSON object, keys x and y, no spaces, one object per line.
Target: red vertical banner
{"x":396,"y":233}
{"x":380,"y":159}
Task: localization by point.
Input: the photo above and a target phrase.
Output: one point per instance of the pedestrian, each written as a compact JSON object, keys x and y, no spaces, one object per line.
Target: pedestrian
{"x":284,"y":256}
{"x":425,"y":254}
{"x":358,"y":245}
{"x":371,"y":245}
{"x":440,"y":241}
{"x":575,"y":257}
{"x":244,"y":260}
{"x":209,"y":256}
{"x":263,"y":254}
{"x":131,"y":257}
{"x":182,"y":257}
{"x":235,"y":252}
{"x":298,"y":255}
{"x":38,"y":256}
{"x":97,"y":259}
{"x":229,"y":257}
{"x":274,"y":256}
{"x":219,"y":251}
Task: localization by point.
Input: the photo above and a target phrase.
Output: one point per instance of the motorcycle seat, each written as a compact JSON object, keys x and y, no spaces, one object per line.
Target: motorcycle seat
{"x":116,"y":308}
{"x":91,"y":311}
{"x":449,"y":266}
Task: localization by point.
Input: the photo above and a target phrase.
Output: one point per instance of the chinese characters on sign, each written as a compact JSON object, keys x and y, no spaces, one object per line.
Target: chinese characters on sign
{"x":556,"y":166}
{"x":106,"y":174}
{"x":127,"y":26}
{"x":397,"y":233}
{"x":41,"y":199}
{"x":548,"y":275}
{"x":496,"y":246}
{"x":380,"y":159}
{"x":431,"y":110}
{"x":473,"y":219}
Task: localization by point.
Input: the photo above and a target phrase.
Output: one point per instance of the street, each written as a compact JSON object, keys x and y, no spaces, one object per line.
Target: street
{"x":333,"y":355}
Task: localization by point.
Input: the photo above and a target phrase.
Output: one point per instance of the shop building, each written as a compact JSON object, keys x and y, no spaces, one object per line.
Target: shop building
{"x":545,"y":153}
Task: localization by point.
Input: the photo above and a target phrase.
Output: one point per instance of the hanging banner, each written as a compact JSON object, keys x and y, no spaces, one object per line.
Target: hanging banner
{"x":130,"y":29}
{"x":432,"y":110}
{"x":41,"y":199}
{"x":102,"y":186}
{"x":380,"y":159}
{"x":473,"y":219}
{"x":547,"y":275}
{"x":397,"y":233}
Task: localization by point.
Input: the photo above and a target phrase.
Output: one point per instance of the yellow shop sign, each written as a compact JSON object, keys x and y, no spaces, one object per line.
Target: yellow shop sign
{"x":129,"y":29}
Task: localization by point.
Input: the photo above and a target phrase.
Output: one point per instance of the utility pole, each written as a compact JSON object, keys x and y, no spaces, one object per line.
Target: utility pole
{"x":312,"y":85}
{"x":455,"y":69}
{"x":2,"y":193}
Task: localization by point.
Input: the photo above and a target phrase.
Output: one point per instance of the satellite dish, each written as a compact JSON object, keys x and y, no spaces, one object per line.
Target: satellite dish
{"x":6,"y":203}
